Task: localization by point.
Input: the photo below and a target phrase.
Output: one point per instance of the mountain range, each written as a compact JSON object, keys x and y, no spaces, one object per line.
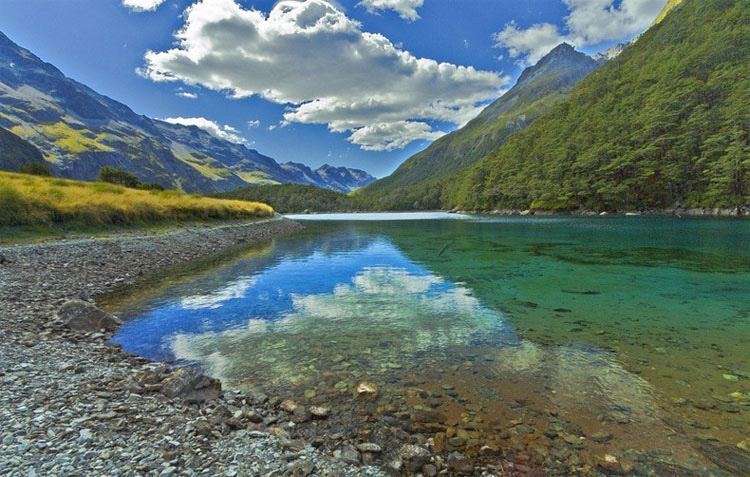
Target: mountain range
{"x":77,"y":131}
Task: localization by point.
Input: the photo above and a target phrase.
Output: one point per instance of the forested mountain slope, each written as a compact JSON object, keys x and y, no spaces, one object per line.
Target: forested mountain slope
{"x":538,"y":88}
{"x":666,"y":122}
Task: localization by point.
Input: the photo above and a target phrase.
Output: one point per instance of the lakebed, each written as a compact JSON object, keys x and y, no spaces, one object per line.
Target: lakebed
{"x":516,"y":345}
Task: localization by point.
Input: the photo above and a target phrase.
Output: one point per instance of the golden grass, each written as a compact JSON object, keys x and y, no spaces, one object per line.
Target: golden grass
{"x":27,"y":200}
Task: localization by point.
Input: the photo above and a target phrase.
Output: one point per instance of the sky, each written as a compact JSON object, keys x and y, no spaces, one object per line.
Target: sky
{"x":362,"y":83}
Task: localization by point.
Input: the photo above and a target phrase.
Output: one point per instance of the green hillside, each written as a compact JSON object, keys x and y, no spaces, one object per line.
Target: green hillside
{"x":539,"y":88}
{"x":666,"y":122}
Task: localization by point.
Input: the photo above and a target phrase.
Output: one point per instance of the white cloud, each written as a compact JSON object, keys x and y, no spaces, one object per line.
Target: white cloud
{"x":406,"y":9}
{"x":310,"y":55}
{"x":253,"y":124}
{"x":390,"y":136}
{"x":187,"y":94}
{"x":225,"y":132}
{"x":142,"y":5}
{"x":589,"y":22}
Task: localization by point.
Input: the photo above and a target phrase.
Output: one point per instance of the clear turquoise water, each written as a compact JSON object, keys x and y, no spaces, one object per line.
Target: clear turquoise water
{"x":616,"y":324}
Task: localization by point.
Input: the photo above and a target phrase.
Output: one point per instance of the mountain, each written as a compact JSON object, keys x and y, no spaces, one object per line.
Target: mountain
{"x":78,"y":131}
{"x":613,"y":52}
{"x":665,"y":123}
{"x":538,"y":88}
{"x":15,"y":152}
{"x":340,"y":179}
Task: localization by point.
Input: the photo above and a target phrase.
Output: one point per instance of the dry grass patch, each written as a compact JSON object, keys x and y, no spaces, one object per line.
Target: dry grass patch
{"x":27,"y":200}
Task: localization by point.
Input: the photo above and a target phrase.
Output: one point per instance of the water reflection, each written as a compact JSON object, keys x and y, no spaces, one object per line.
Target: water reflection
{"x":588,"y":322}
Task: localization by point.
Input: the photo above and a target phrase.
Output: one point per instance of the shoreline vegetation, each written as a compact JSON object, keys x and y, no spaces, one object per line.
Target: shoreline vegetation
{"x":306,"y":199}
{"x":33,"y":205}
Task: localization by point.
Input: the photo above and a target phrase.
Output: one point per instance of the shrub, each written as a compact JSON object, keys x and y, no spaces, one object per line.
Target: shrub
{"x":118,"y":176}
{"x":35,"y":169}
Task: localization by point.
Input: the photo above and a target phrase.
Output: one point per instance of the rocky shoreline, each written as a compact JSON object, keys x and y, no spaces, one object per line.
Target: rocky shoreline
{"x":75,"y":404}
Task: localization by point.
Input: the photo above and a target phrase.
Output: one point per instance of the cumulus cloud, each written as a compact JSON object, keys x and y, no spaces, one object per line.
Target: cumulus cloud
{"x":589,"y":22}
{"x":309,"y":55}
{"x":390,"y":136}
{"x":187,"y":94}
{"x":406,"y":9}
{"x":143,"y":5}
{"x":225,"y":132}
{"x":253,"y":124}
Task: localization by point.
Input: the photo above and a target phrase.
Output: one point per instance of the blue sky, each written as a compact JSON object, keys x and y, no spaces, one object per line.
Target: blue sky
{"x":315,"y":81}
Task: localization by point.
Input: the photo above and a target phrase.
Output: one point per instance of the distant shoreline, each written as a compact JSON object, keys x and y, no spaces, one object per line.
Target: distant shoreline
{"x":738,"y":212}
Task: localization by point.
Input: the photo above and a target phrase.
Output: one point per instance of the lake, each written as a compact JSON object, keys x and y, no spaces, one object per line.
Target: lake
{"x":550,"y":337}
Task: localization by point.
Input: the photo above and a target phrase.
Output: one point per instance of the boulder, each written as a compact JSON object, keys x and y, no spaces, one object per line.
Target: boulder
{"x":84,"y":316}
{"x":190,"y":385}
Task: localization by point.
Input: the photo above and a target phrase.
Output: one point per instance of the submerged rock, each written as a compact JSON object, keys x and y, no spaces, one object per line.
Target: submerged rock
{"x":84,"y":316}
{"x":288,"y":405}
{"x":320,"y":412}
{"x":301,"y":414}
{"x":367,"y":390}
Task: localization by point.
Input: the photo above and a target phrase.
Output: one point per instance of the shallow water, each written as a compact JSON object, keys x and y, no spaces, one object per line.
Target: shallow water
{"x":500,"y":328}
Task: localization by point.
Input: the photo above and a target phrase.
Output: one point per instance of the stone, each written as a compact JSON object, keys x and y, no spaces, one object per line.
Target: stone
{"x":350,"y":455}
{"x":425,"y":416}
{"x":288,"y":405}
{"x":429,"y":470}
{"x":601,"y":437}
{"x":301,"y":414}
{"x":395,"y":467}
{"x":367,"y":390}
{"x":459,"y":463}
{"x":85,"y":435}
{"x":301,"y":468}
{"x":81,"y":315}
{"x":413,"y":457}
{"x":369,"y":447}
{"x":610,"y":463}
{"x":320,"y":412}
{"x":191,"y":386}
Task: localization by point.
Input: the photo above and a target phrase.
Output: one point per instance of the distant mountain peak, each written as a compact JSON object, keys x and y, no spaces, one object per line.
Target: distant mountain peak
{"x":613,"y":52}
{"x":562,"y":56}
{"x":341,"y":179}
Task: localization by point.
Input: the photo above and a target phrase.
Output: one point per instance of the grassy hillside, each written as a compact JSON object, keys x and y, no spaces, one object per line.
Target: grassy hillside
{"x":666,"y":122}
{"x":289,"y":198}
{"x":538,"y":89}
{"x":27,"y":200}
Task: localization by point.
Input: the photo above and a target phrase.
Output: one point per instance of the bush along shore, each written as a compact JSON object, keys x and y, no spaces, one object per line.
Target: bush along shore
{"x":76,"y":404}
